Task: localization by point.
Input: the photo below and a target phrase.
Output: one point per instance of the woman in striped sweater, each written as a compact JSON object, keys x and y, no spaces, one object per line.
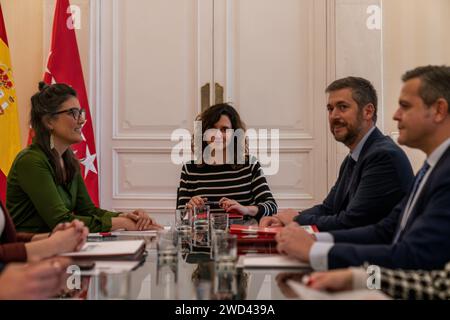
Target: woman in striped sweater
{"x":226,"y":176}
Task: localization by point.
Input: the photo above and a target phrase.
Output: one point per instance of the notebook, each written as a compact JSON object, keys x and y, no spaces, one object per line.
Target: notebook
{"x":126,"y":250}
{"x":270,"y":262}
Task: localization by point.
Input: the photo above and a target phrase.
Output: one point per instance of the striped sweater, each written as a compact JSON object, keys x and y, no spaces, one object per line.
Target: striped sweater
{"x":246,"y":185}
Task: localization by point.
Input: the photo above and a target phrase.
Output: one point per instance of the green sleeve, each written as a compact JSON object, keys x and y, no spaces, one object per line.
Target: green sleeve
{"x":85,"y":208}
{"x":36,"y":179}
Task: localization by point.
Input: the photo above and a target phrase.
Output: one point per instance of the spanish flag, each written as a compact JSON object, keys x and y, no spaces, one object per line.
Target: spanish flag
{"x":9,"y":116}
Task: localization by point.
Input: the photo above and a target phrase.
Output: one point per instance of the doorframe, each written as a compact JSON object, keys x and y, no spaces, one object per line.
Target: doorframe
{"x":95,"y":72}
{"x":332,"y":150}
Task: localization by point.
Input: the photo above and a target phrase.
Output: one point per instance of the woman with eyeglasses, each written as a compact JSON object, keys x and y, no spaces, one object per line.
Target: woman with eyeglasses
{"x":45,"y":186}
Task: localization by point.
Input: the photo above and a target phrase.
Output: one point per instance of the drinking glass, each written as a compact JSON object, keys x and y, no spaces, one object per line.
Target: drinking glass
{"x":200,"y":226}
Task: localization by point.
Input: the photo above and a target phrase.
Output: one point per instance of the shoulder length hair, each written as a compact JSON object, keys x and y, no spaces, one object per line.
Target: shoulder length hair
{"x":211,"y":116}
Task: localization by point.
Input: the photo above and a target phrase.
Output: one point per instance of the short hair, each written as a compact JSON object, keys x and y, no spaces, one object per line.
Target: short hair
{"x":435,"y":82}
{"x":363,"y":92}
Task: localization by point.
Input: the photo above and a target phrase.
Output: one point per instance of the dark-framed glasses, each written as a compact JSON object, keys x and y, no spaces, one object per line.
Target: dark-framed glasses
{"x":76,"y":113}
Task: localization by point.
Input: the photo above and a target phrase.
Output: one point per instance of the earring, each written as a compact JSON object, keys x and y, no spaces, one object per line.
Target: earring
{"x":52,"y":142}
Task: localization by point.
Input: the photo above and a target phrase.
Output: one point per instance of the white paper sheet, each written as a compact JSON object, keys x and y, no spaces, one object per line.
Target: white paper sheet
{"x":124,"y":233}
{"x":306,"y":293}
{"x":108,"y":248}
{"x":111,"y":267}
{"x":270,"y":261}
{"x":149,"y":233}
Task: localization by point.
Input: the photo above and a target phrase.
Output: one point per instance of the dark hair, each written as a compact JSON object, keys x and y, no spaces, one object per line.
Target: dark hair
{"x":212,"y":115}
{"x":435,"y":83}
{"x":45,"y":102}
{"x":363,"y":92}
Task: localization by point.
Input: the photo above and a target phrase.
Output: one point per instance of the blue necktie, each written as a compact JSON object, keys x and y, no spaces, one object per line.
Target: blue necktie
{"x":349,"y":174}
{"x":419,"y":177}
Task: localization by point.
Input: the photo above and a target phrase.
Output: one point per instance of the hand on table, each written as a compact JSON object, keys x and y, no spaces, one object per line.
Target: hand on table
{"x":34,"y":281}
{"x":295,"y":242}
{"x":336,"y":280}
{"x":282,"y":218}
{"x":71,"y":233}
{"x":233,"y":206}
{"x":142,"y":220}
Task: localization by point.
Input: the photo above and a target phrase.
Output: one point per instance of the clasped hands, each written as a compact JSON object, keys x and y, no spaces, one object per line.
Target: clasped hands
{"x":226,"y":204}
{"x":140,"y":220}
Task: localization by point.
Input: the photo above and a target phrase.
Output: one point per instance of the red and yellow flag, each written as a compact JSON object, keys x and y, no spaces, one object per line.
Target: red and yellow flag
{"x":9,"y":115}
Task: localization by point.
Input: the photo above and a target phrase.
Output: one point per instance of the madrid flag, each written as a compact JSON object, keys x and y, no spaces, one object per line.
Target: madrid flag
{"x":64,"y":66}
{"x":9,"y":117}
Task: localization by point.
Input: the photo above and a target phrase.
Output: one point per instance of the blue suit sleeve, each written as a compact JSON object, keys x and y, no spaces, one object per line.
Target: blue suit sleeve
{"x":425,"y":245}
{"x":378,"y":191}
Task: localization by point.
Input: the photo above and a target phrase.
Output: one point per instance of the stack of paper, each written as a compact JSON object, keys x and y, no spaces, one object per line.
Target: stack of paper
{"x":270,"y":262}
{"x":111,"y":267}
{"x":110,"y":249}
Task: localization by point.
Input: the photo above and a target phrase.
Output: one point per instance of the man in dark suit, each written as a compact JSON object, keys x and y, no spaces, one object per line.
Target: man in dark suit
{"x":373,"y":178}
{"x":416,"y":234}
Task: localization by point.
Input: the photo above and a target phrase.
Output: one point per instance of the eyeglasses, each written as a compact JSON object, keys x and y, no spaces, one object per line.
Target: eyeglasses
{"x":76,"y":113}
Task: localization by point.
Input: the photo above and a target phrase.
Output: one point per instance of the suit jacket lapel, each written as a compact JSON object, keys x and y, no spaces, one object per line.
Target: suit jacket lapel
{"x":340,"y":190}
{"x":376,"y":134}
{"x":424,"y":196}
{"x":417,"y":210}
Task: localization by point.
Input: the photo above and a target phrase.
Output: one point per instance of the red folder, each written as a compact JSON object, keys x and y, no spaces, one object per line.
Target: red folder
{"x":235,"y":216}
{"x":254,"y":230}
{"x":255,"y":234}
{"x":254,"y":239}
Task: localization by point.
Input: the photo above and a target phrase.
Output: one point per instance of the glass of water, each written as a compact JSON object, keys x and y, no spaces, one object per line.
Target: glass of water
{"x":182,"y":217}
{"x":167,"y":250}
{"x":113,"y":286}
{"x":200,"y":226}
{"x":167,"y":243}
{"x":225,"y":249}
{"x":185,"y":238}
{"x":225,"y":257}
{"x":218,"y":221}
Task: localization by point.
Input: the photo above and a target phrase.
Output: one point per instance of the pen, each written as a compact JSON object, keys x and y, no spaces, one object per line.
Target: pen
{"x":212,"y":203}
{"x":101,"y":235}
{"x":106,"y":234}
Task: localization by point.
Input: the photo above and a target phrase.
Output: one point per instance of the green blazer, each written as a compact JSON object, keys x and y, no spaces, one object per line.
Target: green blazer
{"x":37,"y":204}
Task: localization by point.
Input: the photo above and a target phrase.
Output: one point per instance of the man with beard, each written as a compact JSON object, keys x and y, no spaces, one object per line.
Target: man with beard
{"x":373,"y":178}
{"x":415,"y":235}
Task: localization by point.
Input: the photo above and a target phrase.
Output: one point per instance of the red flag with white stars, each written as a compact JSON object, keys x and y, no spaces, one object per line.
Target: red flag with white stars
{"x":64,"y":66}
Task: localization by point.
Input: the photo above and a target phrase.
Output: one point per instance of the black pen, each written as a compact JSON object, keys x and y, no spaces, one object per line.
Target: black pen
{"x":212,"y":203}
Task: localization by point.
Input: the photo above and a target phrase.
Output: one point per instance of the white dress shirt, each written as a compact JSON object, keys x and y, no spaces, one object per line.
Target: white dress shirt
{"x":357,"y":151}
{"x":318,"y":255}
